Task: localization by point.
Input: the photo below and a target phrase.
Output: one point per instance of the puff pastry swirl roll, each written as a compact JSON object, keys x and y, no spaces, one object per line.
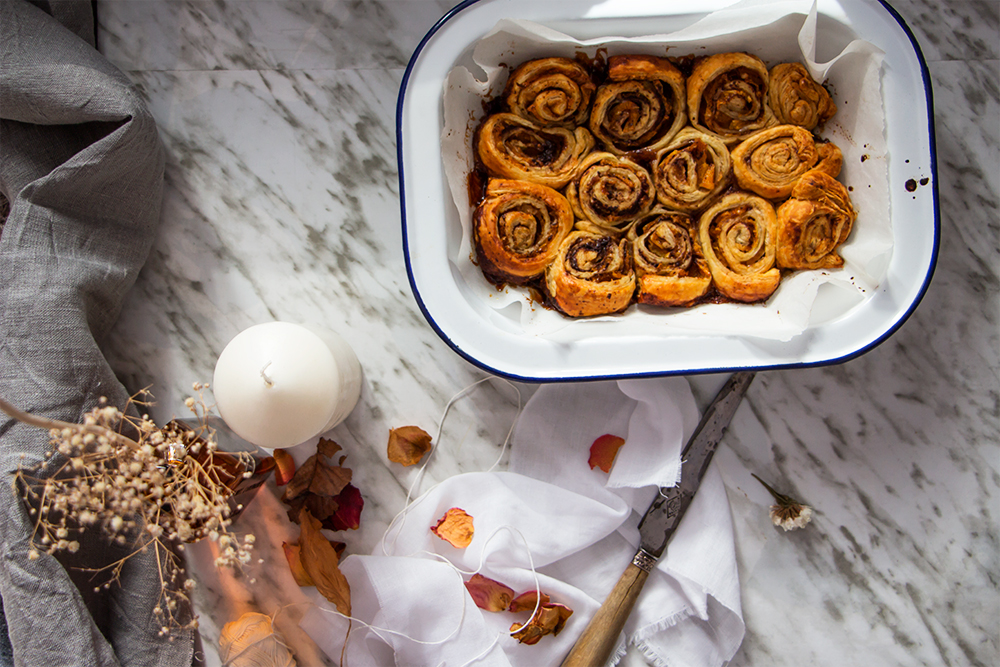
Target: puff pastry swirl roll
{"x":610,"y":192}
{"x":511,"y":147}
{"x":727,"y":95}
{"x":518,"y":228}
{"x":772,"y":160}
{"x":739,"y":238}
{"x":551,"y":91}
{"x":692,"y":170}
{"x":591,"y":275}
{"x":796,"y":99}
{"x":669,"y":265}
{"x":814,"y":222}
{"x":641,"y":105}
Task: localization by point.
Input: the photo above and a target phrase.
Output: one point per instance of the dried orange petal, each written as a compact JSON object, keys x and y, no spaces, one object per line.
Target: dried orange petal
{"x":407,"y":445}
{"x":527,"y":601}
{"x":285,"y":467}
{"x":489,"y":594}
{"x":455,"y":528}
{"x":604,"y":450}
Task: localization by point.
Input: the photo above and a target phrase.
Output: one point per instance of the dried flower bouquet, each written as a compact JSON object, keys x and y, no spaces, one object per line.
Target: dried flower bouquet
{"x":143,"y":487}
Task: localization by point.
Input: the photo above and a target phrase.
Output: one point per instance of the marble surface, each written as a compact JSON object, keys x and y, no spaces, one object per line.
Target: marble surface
{"x":282,"y":203}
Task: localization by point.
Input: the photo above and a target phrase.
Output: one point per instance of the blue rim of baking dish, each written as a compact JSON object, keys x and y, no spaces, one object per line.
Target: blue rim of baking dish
{"x":903,"y":316}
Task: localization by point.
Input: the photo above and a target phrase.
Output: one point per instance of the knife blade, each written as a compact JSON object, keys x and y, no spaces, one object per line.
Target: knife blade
{"x":658,"y":525}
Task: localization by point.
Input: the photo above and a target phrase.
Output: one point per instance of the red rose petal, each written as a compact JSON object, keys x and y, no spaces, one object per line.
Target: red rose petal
{"x":489,"y":594}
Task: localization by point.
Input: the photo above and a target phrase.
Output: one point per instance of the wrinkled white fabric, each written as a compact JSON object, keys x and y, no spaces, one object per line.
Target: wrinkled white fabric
{"x":553,"y":522}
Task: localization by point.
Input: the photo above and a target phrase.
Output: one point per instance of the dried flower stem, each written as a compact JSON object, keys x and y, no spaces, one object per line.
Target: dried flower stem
{"x":50,"y":424}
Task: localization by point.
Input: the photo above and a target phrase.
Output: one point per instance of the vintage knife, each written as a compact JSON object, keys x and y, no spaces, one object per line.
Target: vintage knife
{"x":657,"y":526}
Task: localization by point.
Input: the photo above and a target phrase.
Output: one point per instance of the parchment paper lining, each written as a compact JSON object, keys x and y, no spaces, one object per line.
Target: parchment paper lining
{"x":774,"y":31}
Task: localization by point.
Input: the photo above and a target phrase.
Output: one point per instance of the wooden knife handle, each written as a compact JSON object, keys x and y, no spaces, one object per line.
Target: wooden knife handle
{"x":601,"y":635}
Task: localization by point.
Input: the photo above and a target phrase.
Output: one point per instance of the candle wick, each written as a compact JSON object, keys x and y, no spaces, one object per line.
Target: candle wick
{"x":267,"y":380}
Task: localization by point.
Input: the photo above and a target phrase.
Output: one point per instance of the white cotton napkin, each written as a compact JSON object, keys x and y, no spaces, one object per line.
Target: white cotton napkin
{"x":553,"y":522}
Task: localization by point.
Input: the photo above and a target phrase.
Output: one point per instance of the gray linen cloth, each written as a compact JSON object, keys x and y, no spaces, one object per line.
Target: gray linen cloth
{"x":82,"y":166}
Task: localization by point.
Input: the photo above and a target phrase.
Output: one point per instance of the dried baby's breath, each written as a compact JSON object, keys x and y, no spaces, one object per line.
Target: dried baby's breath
{"x":153,"y":489}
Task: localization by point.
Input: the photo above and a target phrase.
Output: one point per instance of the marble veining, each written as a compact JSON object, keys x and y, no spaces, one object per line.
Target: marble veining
{"x":282,"y":202}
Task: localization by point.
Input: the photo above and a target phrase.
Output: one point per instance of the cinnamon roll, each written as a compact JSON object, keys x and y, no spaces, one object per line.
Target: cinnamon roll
{"x":517,"y":229}
{"x":591,"y":275}
{"x":727,"y":95}
{"x":738,"y":236}
{"x":813,"y":223}
{"x":641,"y":105}
{"x":550,"y":91}
{"x":669,"y":265}
{"x":692,"y":170}
{"x":610,"y":192}
{"x":831,"y":159}
{"x":511,"y":147}
{"x":772,"y":160}
{"x":796,"y":99}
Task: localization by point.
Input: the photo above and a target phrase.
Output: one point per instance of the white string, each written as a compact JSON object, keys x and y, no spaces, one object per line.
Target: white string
{"x":378,"y":630}
{"x":407,"y":505}
{"x":461,"y":620}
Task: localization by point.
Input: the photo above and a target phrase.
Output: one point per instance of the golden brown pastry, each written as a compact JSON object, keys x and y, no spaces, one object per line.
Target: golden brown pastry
{"x":669,"y":265}
{"x":727,"y":95}
{"x":640,"y":106}
{"x":796,"y":99}
{"x":550,"y":92}
{"x":591,"y":275}
{"x":831,"y":159}
{"x":692,"y":170}
{"x":517,"y":229}
{"x":769,"y":162}
{"x":609,"y":193}
{"x":813,"y":223}
{"x":511,"y":147}
{"x":739,"y":237}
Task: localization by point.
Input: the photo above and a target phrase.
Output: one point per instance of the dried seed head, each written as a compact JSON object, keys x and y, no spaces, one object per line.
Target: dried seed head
{"x":787,"y":513}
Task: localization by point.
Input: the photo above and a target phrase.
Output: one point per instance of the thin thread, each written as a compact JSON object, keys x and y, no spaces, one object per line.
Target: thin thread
{"x":378,"y":630}
{"x":407,"y":505}
{"x":461,"y":620}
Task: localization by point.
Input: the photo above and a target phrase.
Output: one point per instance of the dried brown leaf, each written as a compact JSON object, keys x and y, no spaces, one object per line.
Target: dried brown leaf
{"x":317,"y":475}
{"x":321,"y":562}
{"x":327,"y":447}
{"x":321,"y":507}
{"x":329,"y":480}
{"x":293,"y":554}
{"x":407,"y":445}
{"x":295,"y":506}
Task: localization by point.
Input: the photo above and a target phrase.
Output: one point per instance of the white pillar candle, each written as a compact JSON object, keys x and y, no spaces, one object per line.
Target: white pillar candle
{"x":280,"y":384}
